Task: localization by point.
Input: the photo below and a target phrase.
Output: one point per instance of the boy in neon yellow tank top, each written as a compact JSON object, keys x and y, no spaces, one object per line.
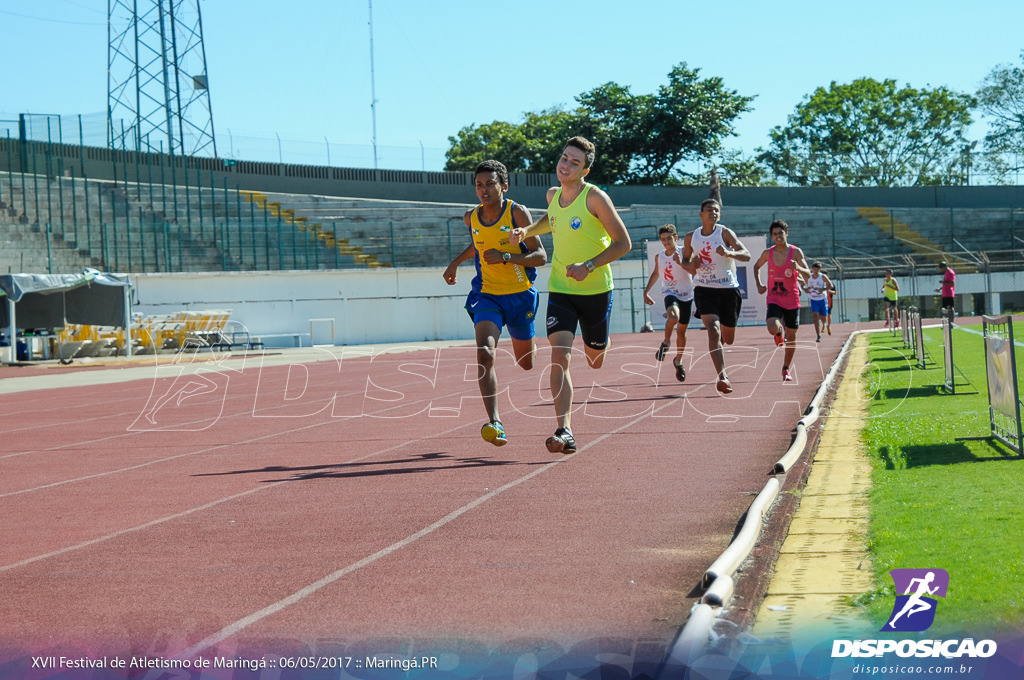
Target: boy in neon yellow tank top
{"x":502,"y":291}
{"x":891,"y":299}
{"x":588,"y":235}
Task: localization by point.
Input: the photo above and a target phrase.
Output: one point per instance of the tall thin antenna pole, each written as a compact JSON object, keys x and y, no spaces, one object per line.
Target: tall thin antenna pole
{"x":373,"y":91}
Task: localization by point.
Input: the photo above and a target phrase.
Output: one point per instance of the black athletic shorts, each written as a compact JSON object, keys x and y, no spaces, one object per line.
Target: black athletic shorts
{"x":790,"y":317}
{"x":591,"y":313}
{"x":685,"y":307}
{"x":724,"y":303}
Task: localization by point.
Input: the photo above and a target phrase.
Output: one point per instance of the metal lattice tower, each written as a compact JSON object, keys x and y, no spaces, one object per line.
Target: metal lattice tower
{"x":158,"y":94}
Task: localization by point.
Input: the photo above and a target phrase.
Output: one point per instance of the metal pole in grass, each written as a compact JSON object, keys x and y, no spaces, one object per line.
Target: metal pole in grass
{"x":49,"y":251}
{"x":947,"y":349}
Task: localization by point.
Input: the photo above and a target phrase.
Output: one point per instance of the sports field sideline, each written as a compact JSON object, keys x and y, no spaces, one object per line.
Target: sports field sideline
{"x":341,"y":503}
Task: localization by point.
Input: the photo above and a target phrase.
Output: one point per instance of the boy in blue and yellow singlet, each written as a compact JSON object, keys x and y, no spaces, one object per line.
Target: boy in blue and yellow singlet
{"x":502,"y":292}
{"x":587,"y":235}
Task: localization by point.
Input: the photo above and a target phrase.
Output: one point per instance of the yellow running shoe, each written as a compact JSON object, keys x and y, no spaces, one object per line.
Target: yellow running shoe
{"x":494,"y":433}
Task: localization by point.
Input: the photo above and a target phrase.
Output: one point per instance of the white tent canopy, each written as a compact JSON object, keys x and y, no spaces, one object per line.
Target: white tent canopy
{"x":51,"y":301}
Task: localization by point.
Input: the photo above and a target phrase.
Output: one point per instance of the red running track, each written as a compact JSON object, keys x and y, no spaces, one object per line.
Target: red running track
{"x":349,"y":506}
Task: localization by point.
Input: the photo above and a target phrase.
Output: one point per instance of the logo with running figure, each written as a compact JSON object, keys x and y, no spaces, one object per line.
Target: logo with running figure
{"x":914,"y":610}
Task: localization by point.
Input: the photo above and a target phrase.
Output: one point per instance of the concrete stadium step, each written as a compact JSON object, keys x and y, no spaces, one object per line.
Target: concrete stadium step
{"x":932,"y":252}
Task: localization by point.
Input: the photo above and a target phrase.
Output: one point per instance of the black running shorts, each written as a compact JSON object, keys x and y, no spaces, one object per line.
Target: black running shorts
{"x":590,"y":313}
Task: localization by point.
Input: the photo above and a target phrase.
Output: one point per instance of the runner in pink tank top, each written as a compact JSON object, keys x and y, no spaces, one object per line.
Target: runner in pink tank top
{"x":783,"y":291}
{"x":783,"y":288}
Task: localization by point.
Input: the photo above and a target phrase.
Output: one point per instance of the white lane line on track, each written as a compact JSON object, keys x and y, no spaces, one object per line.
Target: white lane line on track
{"x":301,"y":594}
{"x":148,"y":463}
{"x":308,"y":590}
{"x":205,"y":506}
{"x":184,"y":513}
{"x":170,"y":379}
{"x":176,"y":457}
{"x":136,"y":433}
{"x":122,"y":532}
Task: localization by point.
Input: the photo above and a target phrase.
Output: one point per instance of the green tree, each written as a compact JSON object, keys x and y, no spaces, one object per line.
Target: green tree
{"x":870,"y":133}
{"x":639,"y":138}
{"x":1001,"y":99}
{"x":686,"y":120}
{"x":522,"y":148}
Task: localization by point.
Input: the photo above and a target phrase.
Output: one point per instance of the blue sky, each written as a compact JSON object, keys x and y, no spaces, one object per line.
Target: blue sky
{"x":299,"y":71}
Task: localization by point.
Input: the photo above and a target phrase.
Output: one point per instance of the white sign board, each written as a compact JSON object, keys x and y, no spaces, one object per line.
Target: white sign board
{"x":754,"y":306}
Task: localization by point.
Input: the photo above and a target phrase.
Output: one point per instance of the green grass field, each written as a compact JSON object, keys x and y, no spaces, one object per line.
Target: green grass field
{"x":937,"y":501}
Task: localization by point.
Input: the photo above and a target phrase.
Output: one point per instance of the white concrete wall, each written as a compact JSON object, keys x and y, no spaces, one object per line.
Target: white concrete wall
{"x":858,"y":292}
{"x":411,"y":305}
{"x":367,"y":305}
